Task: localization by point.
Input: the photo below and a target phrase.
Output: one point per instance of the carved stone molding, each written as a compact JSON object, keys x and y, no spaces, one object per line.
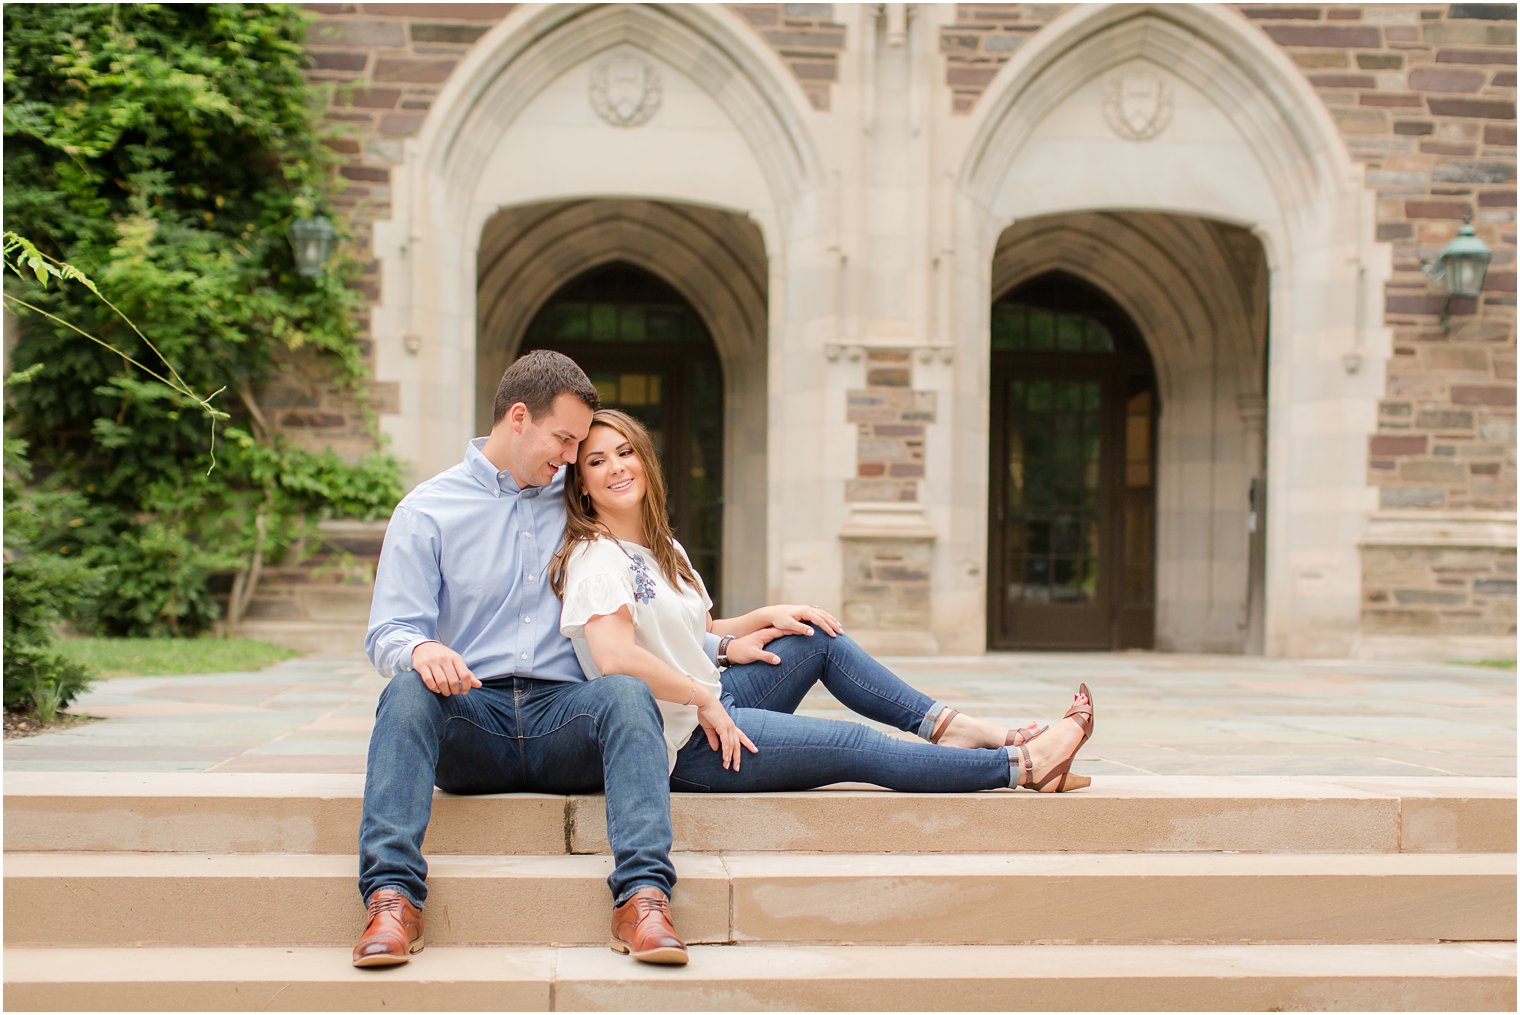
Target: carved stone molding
{"x":626,"y":90}
{"x":1487,"y":530}
{"x":1137,"y":104}
{"x":854,"y":352}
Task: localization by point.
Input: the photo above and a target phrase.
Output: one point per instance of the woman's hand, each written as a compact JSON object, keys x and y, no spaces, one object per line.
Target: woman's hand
{"x":722,"y":734}
{"x":794,"y":619}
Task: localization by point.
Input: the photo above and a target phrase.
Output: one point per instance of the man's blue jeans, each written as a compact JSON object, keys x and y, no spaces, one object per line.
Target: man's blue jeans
{"x":516,"y":734}
{"x":798,"y":752}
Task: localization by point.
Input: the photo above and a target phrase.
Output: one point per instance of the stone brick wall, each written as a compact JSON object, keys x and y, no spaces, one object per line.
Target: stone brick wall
{"x":982,"y":39}
{"x":886,"y":583}
{"x":382,"y":65}
{"x":1429,"y":591}
{"x":891,"y":418}
{"x":1424,"y":95}
{"x":807,"y":37}
{"x":1425,"y":98}
{"x":886,"y":579}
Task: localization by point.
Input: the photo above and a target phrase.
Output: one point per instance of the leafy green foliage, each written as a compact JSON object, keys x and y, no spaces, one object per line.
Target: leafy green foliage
{"x":40,"y":678}
{"x":43,"y":584}
{"x":155,"y":156}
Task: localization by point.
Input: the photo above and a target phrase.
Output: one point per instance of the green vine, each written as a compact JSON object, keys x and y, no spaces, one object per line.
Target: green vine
{"x":159,"y":153}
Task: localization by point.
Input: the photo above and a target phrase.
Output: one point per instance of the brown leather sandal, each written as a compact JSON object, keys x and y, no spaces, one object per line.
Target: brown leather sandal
{"x":1061,"y":775}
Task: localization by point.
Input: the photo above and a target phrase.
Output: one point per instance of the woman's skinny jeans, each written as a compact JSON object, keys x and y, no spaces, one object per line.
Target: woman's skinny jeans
{"x":798,"y":752}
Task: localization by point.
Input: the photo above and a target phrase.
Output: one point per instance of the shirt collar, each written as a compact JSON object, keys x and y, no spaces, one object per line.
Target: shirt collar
{"x":498,"y":481}
{"x":501,"y":481}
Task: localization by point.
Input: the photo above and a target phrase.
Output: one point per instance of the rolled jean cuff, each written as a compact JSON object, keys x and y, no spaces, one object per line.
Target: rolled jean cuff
{"x":926,"y":728}
{"x":1013,"y":766}
{"x":637,"y":887}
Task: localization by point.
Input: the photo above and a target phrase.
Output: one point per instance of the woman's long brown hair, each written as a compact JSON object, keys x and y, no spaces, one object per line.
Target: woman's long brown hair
{"x":582,"y":525}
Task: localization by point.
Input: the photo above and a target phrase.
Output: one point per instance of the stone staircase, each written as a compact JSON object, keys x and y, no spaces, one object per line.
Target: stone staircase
{"x":207,"y":891}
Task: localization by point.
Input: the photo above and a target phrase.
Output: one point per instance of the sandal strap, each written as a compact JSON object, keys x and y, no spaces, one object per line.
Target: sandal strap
{"x":942,"y":724}
{"x":1023,"y":735}
{"x":1025,"y":765}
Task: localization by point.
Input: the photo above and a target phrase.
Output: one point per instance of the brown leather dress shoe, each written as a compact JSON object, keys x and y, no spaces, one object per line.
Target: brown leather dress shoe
{"x":641,"y":928}
{"x":393,"y":933}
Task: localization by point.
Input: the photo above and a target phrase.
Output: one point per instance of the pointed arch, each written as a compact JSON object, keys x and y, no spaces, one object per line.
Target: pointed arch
{"x":1213,"y":49}
{"x":714,"y":259}
{"x":1250,"y":151}
{"x":536,"y":44}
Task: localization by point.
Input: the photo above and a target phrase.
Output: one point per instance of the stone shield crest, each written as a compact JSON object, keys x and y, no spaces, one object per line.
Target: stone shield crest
{"x":625,"y":91}
{"x":1138,"y":104}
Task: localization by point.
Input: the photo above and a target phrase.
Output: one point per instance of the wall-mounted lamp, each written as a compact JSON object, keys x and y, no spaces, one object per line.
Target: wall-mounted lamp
{"x":1462,"y":265}
{"x":313,"y":241}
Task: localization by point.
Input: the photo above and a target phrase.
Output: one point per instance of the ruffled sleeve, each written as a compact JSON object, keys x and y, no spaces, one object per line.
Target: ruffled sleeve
{"x":594,"y":587}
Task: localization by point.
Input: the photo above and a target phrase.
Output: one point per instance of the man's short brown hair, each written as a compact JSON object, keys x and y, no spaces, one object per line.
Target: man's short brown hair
{"x":538,"y":378}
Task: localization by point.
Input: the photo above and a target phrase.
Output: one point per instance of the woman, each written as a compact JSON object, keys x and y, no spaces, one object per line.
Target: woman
{"x":633,"y":604}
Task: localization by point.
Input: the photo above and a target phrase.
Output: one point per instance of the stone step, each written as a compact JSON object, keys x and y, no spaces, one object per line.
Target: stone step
{"x":212,"y":812}
{"x":1451,"y":977}
{"x":169,"y":899}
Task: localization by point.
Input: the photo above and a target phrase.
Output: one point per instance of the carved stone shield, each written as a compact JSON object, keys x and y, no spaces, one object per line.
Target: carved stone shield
{"x":1138,"y":104}
{"x":625,"y":91}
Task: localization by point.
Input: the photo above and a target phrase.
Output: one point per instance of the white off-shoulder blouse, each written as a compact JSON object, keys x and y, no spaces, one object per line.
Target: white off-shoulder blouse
{"x":670,"y":623}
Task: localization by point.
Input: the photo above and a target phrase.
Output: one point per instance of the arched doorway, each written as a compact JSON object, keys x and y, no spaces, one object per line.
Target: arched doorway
{"x":1072,"y":506}
{"x":648,"y":352}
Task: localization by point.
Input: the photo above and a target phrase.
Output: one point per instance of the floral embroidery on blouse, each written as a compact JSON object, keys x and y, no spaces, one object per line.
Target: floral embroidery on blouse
{"x":643,"y":582}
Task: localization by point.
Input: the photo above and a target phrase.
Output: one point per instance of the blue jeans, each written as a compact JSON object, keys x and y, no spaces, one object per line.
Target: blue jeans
{"x":797,"y":752}
{"x":518,"y":734}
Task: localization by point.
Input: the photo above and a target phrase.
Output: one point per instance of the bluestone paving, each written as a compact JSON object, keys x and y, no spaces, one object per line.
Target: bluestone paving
{"x":1159,"y":713}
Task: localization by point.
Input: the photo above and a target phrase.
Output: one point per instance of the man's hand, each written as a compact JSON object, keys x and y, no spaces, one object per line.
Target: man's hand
{"x":795,"y":619}
{"x":751,"y":647}
{"x":442,"y":669}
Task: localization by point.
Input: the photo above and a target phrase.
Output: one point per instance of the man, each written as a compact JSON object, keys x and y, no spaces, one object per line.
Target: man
{"x":485,"y":694}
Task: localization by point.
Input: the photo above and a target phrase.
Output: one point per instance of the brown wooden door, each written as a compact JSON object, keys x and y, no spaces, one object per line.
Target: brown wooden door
{"x":1072,"y":491}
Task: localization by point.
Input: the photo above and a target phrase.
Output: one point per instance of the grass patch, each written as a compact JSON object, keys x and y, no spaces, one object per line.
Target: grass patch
{"x":1488,"y":664}
{"x":155,"y":657}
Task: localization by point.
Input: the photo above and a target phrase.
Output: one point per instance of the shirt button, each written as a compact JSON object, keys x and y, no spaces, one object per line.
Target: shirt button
{"x":527,"y":535}
{"x":527,"y":620}
{"x":532,"y":577}
{"x":524,"y":655}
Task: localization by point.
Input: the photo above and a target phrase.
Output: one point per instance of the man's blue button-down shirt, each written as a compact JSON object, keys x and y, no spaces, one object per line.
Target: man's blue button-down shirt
{"x":466,"y":563}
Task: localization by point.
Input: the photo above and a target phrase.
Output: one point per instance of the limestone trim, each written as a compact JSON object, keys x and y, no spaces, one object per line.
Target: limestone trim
{"x":1486,"y":530}
{"x":1214,"y":50}
{"x":882,"y":520}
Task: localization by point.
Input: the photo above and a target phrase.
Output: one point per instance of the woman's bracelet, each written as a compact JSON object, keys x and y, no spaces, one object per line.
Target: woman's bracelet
{"x":693,"y":696}
{"x":723,"y":644}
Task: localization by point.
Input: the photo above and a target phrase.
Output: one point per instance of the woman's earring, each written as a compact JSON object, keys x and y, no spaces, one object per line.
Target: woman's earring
{"x":586,"y":502}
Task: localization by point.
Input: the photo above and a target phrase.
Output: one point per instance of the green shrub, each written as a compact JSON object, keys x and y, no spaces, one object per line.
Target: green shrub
{"x":43,"y":584}
{"x":42,"y":679}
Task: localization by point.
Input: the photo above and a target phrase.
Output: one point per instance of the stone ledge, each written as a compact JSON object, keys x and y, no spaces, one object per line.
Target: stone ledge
{"x":1484,"y":530}
{"x":181,"y":899}
{"x":1449,"y":977}
{"x":190,"y":812}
